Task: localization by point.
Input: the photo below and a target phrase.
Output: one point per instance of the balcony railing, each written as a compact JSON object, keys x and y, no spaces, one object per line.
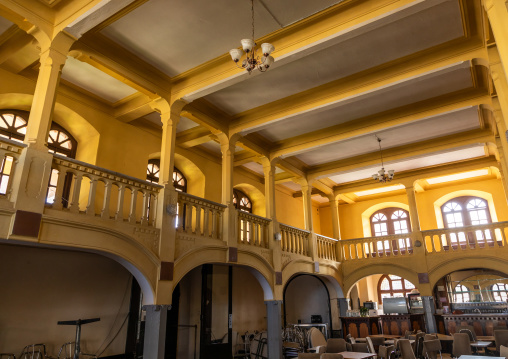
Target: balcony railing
{"x":95,"y":191}
{"x":252,"y":229}
{"x":382,"y":246}
{"x":200,"y":217}
{"x":294,"y":240}
{"x":477,"y":237}
{"x":326,"y":247}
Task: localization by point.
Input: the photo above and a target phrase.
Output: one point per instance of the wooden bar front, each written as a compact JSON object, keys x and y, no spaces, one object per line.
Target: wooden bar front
{"x":398,"y":324}
{"x":483,"y":324}
{"x":360,"y":327}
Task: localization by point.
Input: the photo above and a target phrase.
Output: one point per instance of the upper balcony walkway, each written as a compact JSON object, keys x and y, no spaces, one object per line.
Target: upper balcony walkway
{"x":149,"y":229}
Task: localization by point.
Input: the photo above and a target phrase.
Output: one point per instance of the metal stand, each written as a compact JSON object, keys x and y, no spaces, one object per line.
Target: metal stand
{"x":78,"y":323}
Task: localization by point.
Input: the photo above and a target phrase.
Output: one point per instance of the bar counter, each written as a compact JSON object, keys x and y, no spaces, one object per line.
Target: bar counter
{"x":483,"y":324}
{"x":361,"y":327}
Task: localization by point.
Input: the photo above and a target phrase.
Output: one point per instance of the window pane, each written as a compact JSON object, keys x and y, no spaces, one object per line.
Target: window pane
{"x":408,"y":284}
{"x":397,"y":284}
{"x":3,"y":184}
{"x":385,"y":284}
{"x":9,"y":119}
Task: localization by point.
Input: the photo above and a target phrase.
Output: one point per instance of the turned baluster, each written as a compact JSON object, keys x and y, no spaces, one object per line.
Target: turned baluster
{"x":206,"y":224}
{"x":189,"y":207}
{"x":214,"y":224}
{"x":144,"y":207}
{"x":181,"y":213}
{"x":240,"y":229}
{"x":57,"y":204}
{"x":220,"y":224}
{"x":119,"y":206}
{"x":152,"y":213}
{"x":107,"y":199}
{"x":90,"y":207}
{"x":198,"y":219}
{"x":132,"y":210}
{"x":74,"y":207}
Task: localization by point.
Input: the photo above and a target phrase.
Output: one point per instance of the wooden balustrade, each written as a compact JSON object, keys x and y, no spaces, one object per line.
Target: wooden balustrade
{"x":252,"y":229}
{"x":466,"y":238}
{"x":9,"y":155}
{"x":294,"y":240}
{"x":326,"y":247}
{"x":69,"y":175}
{"x":382,"y":246}
{"x":199,"y":216}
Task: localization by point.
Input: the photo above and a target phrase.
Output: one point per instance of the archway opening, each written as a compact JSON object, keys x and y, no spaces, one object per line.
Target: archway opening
{"x":473,"y":299}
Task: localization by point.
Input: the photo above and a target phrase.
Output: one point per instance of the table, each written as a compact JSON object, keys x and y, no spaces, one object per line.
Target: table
{"x":480,"y":344}
{"x":391,"y":341}
{"x":356,"y":355}
{"x":387,"y":336}
{"x":478,"y":357}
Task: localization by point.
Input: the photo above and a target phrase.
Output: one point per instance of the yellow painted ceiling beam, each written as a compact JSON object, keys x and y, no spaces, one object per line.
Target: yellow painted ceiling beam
{"x":411,"y":176}
{"x":193,"y":137}
{"x":203,"y":113}
{"x":15,"y":40}
{"x":290,"y":42}
{"x":421,"y":148}
{"x":336,"y":91}
{"x":244,"y":157}
{"x":109,"y":57}
{"x":380,"y":122}
{"x":133,"y":107}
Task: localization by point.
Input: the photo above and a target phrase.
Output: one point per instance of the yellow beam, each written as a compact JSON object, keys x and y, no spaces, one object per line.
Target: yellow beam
{"x":403,"y":152}
{"x":379,"y":122}
{"x":193,"y":137}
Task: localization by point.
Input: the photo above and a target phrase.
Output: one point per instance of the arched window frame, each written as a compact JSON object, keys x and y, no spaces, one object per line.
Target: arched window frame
{"x":393,"y":225}
{"x":461,"y":294}
{"x":55,"y":143}
{"x":500,"y":292}
{"x":153,"y":170}
{"x":405,"y":288}
{"x":465,"y":212}
{"x":241,"y":201}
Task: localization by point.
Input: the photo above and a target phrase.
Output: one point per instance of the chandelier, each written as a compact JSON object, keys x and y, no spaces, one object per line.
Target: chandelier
{"x":252,"y":61}
{"x":381,"y":175}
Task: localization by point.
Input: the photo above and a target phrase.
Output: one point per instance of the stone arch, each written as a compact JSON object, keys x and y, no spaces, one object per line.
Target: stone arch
{"x":82,"y":130}
{"x":140,"y":261}
{"x":468,"y":192}
{"x":330,"y":275}
{"x":259,"y":267}
{"x":256,"y":196}
{"x":367,"y":232}
{"x":493,"y":263}
{"x":382,"y":268}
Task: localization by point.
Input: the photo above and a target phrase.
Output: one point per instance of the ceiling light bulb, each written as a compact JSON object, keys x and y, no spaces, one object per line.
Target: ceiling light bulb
{"x":247,"y":45}
{"x":267,"y":48}
{"x":236,"y":54}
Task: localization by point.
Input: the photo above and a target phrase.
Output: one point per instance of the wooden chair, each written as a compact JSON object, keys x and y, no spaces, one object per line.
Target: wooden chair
{"x":336,"y":345}
{"x":431,"y":348}
{"x":461,"y":345}
{"x":503,"y":351}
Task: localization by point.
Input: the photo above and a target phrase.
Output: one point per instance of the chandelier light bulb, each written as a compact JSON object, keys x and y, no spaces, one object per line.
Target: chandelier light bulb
{"x":267,"y":49}
{"x":381,"y":175}
{"x":236,"y":54}
{"x":247,"y":45}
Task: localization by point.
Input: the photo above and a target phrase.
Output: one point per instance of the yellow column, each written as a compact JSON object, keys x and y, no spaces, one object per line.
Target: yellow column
{"x":334,"y":208}
{"x":498,"y":17}
{"x":413,"y":210}
{"x":307,"y":205}
{"x":500,"y":83}
{"x":227,"y":146}
{"x":52,"y":60}
{"x":269,"y":171}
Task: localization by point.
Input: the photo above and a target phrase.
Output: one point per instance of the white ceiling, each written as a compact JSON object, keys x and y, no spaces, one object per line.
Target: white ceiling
{"x":95,"y":81}
{"x":4,"y":24}
{"x":389,"y":40}
{"x":459,"y":154}
{"x":436,"y":83}
{"x":425,"y":129}
{"x":177,"y":35}
{"x":258,"y":168}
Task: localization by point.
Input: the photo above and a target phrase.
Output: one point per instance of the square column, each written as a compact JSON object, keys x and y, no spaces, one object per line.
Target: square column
{"x":274,"y":326}
{"x":155,"y":331}
{"x":429,"y":311}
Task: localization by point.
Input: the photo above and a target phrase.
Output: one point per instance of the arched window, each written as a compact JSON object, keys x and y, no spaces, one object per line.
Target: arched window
{"x":241,"y":201}
{"x":152,"y":175}
{"x":391,"y":286}
{"x":13,"y":126}
{"x":500,"y":292}
{"x":465,"y":211}
{"x":461,"y":294}
{"x":390,"y":221}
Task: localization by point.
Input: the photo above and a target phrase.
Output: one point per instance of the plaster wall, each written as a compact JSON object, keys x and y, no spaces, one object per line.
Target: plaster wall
{"x":44,"y":286}
{"x":306,"y":295}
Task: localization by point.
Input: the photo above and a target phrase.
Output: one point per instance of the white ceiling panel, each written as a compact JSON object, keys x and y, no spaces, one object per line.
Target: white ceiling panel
{"x":443,"y":81}
{"x":288,"y":13}
{"x":412,"y":163}
{"x":450,"y":123}
{"x":320,"y":199}
{"x":4,"y":24}
{"x":292,"y":186}
{"x":95,"y":81}
{"x":387,"y":41}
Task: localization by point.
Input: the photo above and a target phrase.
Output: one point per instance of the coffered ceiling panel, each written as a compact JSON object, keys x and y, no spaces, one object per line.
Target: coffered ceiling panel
{"x":427,"y":129}
{"x":95,"y":81}
{"x":387,"y":39}
{"x":460,"y":154}
{"x":178,"y":35}
{"x":430,"y":85}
